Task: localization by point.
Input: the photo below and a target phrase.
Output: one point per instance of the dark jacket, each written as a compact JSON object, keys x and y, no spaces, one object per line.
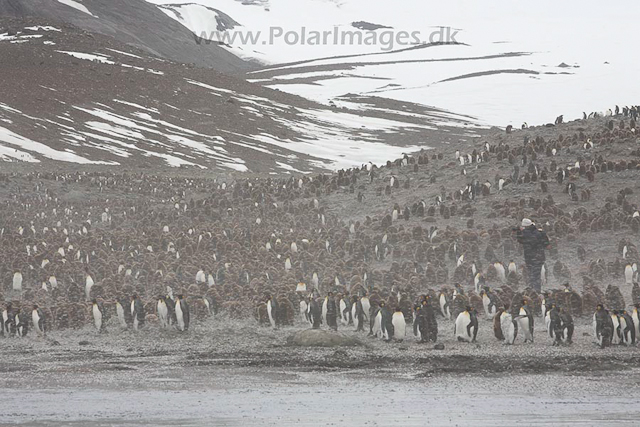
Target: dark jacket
{"x":534,"y":242}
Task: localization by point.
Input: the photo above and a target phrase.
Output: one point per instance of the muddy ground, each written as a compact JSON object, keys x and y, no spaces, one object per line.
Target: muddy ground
{"x":225,"y":372}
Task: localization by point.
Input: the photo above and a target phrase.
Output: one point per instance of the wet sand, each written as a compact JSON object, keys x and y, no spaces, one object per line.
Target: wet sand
{"x":246,"y":397}
{"x":235,"y":373}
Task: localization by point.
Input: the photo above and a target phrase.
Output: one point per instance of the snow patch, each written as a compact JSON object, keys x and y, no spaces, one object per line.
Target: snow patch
{"x":15,"y":140}
{"x":43,"y":28}
{"x":125,"y":53}
{"x":78,"y":6}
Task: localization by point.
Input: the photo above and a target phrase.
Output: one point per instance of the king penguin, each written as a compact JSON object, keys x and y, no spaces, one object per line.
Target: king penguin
{"x":163,"y":312}
{"x":635,"y":316}
{"x":525,"y":322}
{"x":137,"y":312}
{"x":272,"y":311}
{"x":628,"y":274}
{"x":121,"y":314}
{"x":325,"y":307}
{"x":375,"y":324}
{"x":38,"y":319}
{"x":98,"y":311}
{"x":366,"y":306}
{"x":357,"y":313}
{"x":304,"y":310}
{"x":509,"y":327}
{"x":21,"y":324}
{"x":17,"y":281}
{"x":87,"y":286}
{"x":629,"y":330}
{"x":182,"y":314}
{"x":489,"y":302}
{"x":313,"y":311}
{"x":399,"y":324}
{"x":616,"y":337}
{"x":445,"y":306}
{"x":345,"y":310}
{"x":602,"y":327}
{"x":466,"y":326}
{"x":8,"y":320}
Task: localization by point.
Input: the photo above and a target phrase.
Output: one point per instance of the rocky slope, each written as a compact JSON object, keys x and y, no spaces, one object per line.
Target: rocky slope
{"x":80,"y":97}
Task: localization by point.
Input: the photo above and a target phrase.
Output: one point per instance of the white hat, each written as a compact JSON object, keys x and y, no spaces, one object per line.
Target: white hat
{"x":526,"y":222}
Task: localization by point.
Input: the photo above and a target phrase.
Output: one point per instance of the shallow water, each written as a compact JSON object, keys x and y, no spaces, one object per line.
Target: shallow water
{"x":243,"y":397}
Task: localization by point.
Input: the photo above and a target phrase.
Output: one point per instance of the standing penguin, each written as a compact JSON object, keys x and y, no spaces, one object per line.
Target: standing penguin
{"x":426,"y":323}
{"x":375,"y":324}
{"x":445,"y":306}
{"x":88,"y":285}
{"x":567,"y":326}
{"x":345,"y":311}
{"x":8,"y":320}
{"x":399,"y":324}
{"x":602,"y":326}
{"x":545,"y":304}
{"x":122,"y":314}
{"x":417,"y":320}
{"x":466,"y":326}
{"x":272,"y":311}
{"x":616,"y":337}
{"x":17,"y":281}
{"x":38,"y":319}
{"x":304,"y":309}
{"x":332,"y":312}
{"x":169,"y":299}
{"x":324,"y":309}
{"x":431,"y":326}
{"x":137,"y":312}
{"x":509,"y":327}
{"x":629,"y":331}
{"x":554,"y":324}
{"x":97,"y":310}
{"x":560,"y":326}
{"x":313,"y":313}
{"x":635,"y":316}
{"x":366,"y":306}
{"x":525,"y":322}
{"x":21,"y":324}
{"x":163,"y":312}
{"x":357,"y":313}
{"x":489,"y":302}
{"x":386,"y":324}
{"x":182,"y":313}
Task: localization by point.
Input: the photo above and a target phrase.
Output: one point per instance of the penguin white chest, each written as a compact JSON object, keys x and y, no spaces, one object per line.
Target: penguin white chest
{"x":179,"y":316}
{"x":354,"y":315}
{"x":303,"y":309}
{"x":485,"y":302}
{"x":343,"y":316}
{"x":36,"y":321}
{"x":508,"y":328}
{"x":120,"y":313}
{"x":462,"y":330}
{"x":97,"y":317}
{"x":163,"y":312}
{"x":366,"y":306}
{"x":399,"y":325}
{"x":5,"y":318}
{"x":444,"y":307}
{"x":377,"y":324}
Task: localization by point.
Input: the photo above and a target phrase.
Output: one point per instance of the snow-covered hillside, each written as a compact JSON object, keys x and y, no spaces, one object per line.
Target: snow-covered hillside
{"x":514,"y":62}
{"x":86,"y":99}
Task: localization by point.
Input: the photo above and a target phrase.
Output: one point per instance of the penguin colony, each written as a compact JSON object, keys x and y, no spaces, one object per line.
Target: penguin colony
{"x":416,"y":259}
